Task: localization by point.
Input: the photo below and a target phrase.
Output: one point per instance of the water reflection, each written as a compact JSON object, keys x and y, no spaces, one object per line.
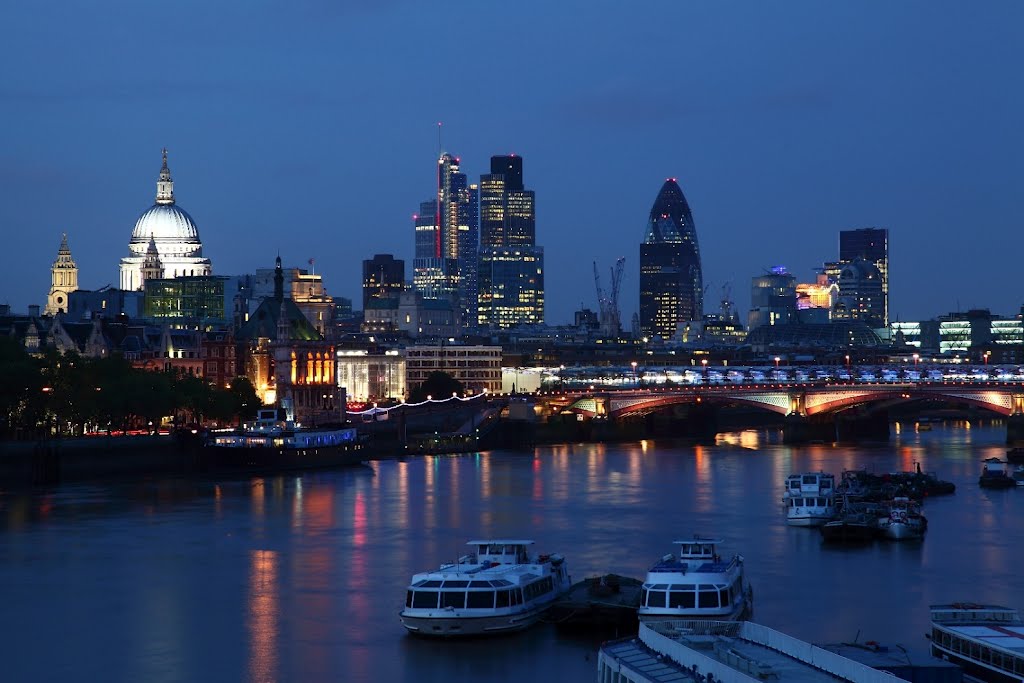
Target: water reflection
{"x":301,"y":577}
{"x":263,"y":622}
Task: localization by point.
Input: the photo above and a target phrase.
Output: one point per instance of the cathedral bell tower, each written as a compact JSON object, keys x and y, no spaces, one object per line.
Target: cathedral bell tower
{"x":152,"y":267}
{"x":63,"y":280}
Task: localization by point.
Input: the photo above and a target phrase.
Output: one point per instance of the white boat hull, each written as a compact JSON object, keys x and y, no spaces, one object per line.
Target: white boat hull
{"x":808,"y":520}
{"x":452,"y":625}
{"x":899,"y":531}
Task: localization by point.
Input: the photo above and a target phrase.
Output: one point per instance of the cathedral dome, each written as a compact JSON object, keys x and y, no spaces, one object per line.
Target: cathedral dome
{"x":165,"y":242}
{"x":165,"y":222}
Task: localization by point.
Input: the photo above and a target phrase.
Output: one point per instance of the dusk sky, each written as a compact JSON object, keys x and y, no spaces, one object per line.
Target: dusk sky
{"x":308,"y":127}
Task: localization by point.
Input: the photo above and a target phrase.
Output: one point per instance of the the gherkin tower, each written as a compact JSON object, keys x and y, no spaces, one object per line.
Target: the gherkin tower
{"x":671,"y":283}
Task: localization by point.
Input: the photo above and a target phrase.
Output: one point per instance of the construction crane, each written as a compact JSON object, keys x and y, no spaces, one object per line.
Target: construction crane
{"x":608,"y":302}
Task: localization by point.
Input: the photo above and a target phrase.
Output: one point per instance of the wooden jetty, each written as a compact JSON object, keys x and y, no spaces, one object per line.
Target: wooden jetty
{"x":600,"y":603}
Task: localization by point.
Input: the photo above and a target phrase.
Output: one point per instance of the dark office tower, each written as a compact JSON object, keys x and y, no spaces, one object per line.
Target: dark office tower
{"x":383,"y":277}
{"x":511,"y":274}
{"x":872,"y":245}
{"x":511,"y":169}
{"x":671,"y":284}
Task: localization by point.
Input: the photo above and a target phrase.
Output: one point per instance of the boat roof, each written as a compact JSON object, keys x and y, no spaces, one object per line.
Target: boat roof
{"x":992,"y":625}
{"x":499,"y":541}
{"x":666,"y":651}
{"x":698,"y":539}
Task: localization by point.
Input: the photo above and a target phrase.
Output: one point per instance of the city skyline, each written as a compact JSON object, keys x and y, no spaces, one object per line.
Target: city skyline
{"x":776,"y":153}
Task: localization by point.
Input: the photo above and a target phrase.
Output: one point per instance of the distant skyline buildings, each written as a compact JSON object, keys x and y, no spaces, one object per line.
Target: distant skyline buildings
{"x":383,"y":277}
{"x":511,"y":265}
{"x":446,"y":241}
{"x":671,"y":278}
{"x":862,"y":276}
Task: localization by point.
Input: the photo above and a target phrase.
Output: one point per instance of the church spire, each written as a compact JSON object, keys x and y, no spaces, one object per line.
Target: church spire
{"x":278,"y":280}
{"x":165,"y":186}
{"x":152,"y":266}
{"x":63,"y":279}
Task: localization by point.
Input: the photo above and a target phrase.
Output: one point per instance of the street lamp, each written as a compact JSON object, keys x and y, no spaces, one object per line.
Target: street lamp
{"x":917,"y":357}
{"x":777,"y":359}
{"x":847,"y":361}
{"x":986,"y":356}
{"x":704,"y":363}
{"x":634,"y":372}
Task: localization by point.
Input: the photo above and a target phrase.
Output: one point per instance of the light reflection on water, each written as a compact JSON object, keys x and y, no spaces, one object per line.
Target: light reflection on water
{"x":301,"y":577}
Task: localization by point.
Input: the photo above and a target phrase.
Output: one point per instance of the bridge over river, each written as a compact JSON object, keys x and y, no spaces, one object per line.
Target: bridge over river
{"x":811,"y":408}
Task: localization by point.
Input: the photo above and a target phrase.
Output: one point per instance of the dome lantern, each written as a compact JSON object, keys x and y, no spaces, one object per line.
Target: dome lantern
{"x":165,"y":186}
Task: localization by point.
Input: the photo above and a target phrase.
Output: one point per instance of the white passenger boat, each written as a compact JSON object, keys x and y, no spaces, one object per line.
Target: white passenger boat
{"x":987,"y":641}
{"x":810,"y":499}
{"x":498,"y":588}
{"x":698,"y":584}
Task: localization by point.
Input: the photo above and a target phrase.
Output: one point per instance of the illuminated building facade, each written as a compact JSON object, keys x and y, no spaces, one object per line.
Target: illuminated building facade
{"x":430,"y":269}
{"x":288,"y":361}
{"x":383,"y":277}
{"x":772,"y":299}
{"x":511,"y":265}
{"x":369,"y":377}
{"x":190,"y":301}
{"x":478,"y":368}
{"x":820,"y":294}
{"x":63,"y":280}
{"x":671,"y":281}
{"x":512,"y":287}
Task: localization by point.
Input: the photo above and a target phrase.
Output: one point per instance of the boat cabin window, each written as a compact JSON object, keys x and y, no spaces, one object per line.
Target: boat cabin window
{"x":453,"y":599}
{"x":431,"y":584}
{"x":479,"y":584}
{"x":456,"y":584}
{"x":810,"y":478}
{"x":682,"y":596}
{"x":707,"y":596}
{"x":656,"y":598}
{"x":408,"y":598}
{"x":480,"y":599}
{"x":425,"y":599}
{"x":723,"y":597}
{"x":503,"y":598}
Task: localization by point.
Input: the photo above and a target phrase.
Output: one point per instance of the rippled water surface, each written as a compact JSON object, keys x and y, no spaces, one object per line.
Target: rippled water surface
{"x":300,"y":578}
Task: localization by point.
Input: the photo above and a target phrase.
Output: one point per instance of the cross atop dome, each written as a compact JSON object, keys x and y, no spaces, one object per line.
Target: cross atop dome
{"x":165,"y":186}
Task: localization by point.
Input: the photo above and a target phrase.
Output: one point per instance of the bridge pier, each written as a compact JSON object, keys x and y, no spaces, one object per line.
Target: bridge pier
{"x":1015,"y":431}
{"x":799,"y":429}
{"x":862,"y":425}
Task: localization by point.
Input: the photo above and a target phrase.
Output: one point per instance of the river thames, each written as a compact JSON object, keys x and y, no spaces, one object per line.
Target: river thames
{"x":300,"y":578}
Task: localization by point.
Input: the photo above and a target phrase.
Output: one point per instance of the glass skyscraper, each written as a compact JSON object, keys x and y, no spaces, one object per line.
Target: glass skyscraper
{"x":671,"y":283}
{"x":445,"y":260}
{"x":511,"y":266}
